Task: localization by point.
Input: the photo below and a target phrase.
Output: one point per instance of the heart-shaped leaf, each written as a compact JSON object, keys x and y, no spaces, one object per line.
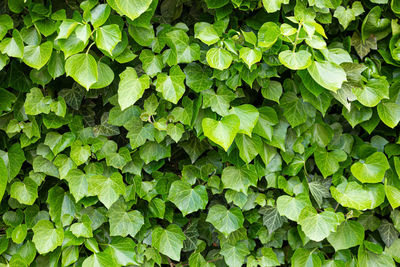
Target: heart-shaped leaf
{"x":372,"y":170}
{"x":222,"y":132}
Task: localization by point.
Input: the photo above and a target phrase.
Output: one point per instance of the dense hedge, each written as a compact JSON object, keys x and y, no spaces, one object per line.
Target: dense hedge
{"x":199,"y":133}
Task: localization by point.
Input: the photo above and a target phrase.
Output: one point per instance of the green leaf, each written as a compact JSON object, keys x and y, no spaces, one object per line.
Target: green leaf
{"x":6,"y":23}
{"x":82,"y":228}
{"x":374,"y":25}
{"x":154,"y":151}
{"x":101,"y":259}
{"x":358,"y":196}
{"x":389,"y":113}
{"x":239,"y":179}
{"x":348,"y":234}
{"x":234,"y":255}
{"x":79,"y":153}
{"x":186,"y":198}
{"x":18,"y":235}
{"x":108,"y":189}
{"x":273,"y":5}
{"x":151,"y":63}
{"x":372,"y":92}
{"x":293,"y":109}
{"x":198,"y":78}
{"x":78,"y":183}
{"x":249,"y":147}
{"x":268,"y":34}
{"x":291,"y":207}
{"x":45,"y":237}
{"x":222,"y":132}
{"x":318,"y":226}
{"x":370,"y":259}
{"x":206,"y":33}
{"x":13,"y":47}
{"x":107,"y":37}
{"x":99,"y":15}
{"x":131,"y":88}
{"x":219,"y":58}
{"x":26,"y":192}
{"x":171,"y":86}
{"x":328,"y":162}
{"x":219,"y":102}
{"x":105,"y":76}
{"x":224,"y":220}
{"x":327,"y":74}
{"x":130,"y":8}
{"x":83,"y":69}
{"x":295,"y":60}
{"x":168,"y":241}
{"x":123,"y":222}
{"x":36,"y":56}
{"x":271,"y":218}
{"x":248,"y":116}
{"x":250,"y":56}
{"x":36,"y":103}
{"x":305,"y":257}
{"x":372,"y":170}
{"x":123,"y":251}
{"x":62,"y":207}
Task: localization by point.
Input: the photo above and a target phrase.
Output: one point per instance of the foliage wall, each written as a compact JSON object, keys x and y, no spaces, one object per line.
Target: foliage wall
{"x":199,"y":133}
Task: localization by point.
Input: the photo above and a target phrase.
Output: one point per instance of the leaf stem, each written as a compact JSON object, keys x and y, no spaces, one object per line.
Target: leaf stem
{"x":90,"y":46}
{"x":297,"y":37}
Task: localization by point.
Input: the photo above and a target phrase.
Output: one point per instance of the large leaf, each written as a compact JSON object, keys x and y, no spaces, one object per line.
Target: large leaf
{"x":348,"y":234}
{"x":123,"y":222}
{"x":358,"y":196}
{"x":130,"y":8}
{"x":108,"y":189}
{"x":239,"y":179}
{"x":36,"y":56}
{"x":372,"y":170}
{"x":219,"y":58}
{"x":224,"y":220}
{"x":45,"y":237}
{"x":168,"y":241}
{"x":295,"y":60}
{"x":131,"y":88}
{"x":83,"y":69}
{"x":327,"y":74}
{"x":222,"y":132}
{"x":171,"y":86}
{"x":186,"y":198}
{"x":318,"y":226}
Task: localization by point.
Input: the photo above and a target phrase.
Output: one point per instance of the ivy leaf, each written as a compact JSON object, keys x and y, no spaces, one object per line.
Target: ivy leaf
{"x":168,"y":241}
{"x":172,"y":87}
{"x":219,"y":58}
{"x":271,"y":218}
{"x":248,"y":116}
{"x":389,"y":113}
{"x":219,"y":102}
{"x":224,"y":220}
{"x":45,"y":237}
{"x":250,"y":56}
{"x":388,"y":233}
{"x":239,"y":179}
{"x":154,"y":151}
{"x":198,"y":78}
{"x":36,"y":103}
{"x":82,"y":228}
{"x":107,"y":37}
{"x":123,"y":251}
{"x":26,"y":192}
{"x":78,"y":183}
{"x":273,"y":5}
{"x":318,"y":226}
{"x":234,"y":255}
{"x":6,"y":23}
{"x":293,"y":109}
{"x":358,"y":196}
{"x":373,"y":92}
{"x":372,"y":170}
{"x":131,"y":88}
{"x":83,"y":69}
{"x":348,"y":234}
{"x":206,"y":33}
{"x":291,"y":207}
{"x":13,"y":47}
{"x":79,"y":153}
{"x":222,"y":132}
{"x":130,"y":8}
{"x":36,"y":56}
{"x":101,"y":259}
{"x":295,"y":60}
{"x":268,"y":34}
{"x":327,"y":74}
{"x":186,"y":198}
{"x":123,"y":222}
{"x":370,"y":259}
{"x":108,"y":189}
{"x":328,"y":162}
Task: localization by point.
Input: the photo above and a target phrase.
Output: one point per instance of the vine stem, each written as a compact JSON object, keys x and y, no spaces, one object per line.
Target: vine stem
{"x":90,"y":46}
{"x":297,"y":37}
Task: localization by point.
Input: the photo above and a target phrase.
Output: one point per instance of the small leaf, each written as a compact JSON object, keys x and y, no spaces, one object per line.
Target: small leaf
{"x":222,"y":132}
{"x":224,"y":220}
{"x":168,"y":241}
{"x":295,"y":60}
{"x":131,"y":88}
